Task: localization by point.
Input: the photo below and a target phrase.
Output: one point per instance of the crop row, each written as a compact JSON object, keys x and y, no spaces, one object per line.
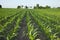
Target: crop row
{"x":29,"y":25}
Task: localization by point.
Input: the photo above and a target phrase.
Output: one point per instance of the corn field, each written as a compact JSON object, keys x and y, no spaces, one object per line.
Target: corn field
{"x":29,"y":24}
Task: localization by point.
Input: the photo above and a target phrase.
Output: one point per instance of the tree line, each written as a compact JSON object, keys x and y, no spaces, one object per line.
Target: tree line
{"x":35,"y":7}
{"x":41,"y":7}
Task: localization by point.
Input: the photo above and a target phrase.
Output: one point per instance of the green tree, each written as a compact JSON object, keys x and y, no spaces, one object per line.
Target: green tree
{"x":0,"y":6}
{"x":26,"y":7}
{"x":18,"y":6}
{"x":41,"y":7}
{"x":58,"y":7}
{"x":47,"y":6}
{"x":34,"y":7}
{"x":37,"y":5}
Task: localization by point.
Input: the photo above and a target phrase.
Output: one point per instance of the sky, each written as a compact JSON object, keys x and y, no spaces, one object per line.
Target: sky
{"x":15,"y":3}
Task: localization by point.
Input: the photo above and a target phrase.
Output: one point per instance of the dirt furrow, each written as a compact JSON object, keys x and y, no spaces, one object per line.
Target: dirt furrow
{"x":22,"y":33}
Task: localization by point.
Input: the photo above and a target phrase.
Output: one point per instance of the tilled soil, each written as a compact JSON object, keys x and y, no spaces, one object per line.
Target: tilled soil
{"x":22,"y":33}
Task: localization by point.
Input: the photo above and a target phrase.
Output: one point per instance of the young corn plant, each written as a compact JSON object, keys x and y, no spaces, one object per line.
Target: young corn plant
{"x":32,"y":33}
{"x":5,"y":25}
{"x":47,"y":30}
{"x":13,"y":32}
